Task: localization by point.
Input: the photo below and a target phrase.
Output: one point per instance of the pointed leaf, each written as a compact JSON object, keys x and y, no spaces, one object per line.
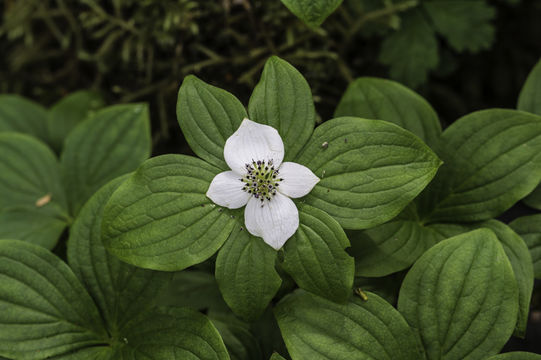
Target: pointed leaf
{"x":18,"y":114}
{"x":44,"y":309}
{"x":160,"y":217}
{"x":462,"y":298}
{"x":402,"y":50}
{"x":465,"y":23}
{"x":246,"y":275}
{"x":172,"y":334}
{"x":31,"y":225}
{"x":121,"y":291}
{"x":32,"y":201}
{"x":492,"y":159}
{"x":312,"y":12}
{"x":283,"y":100}
{"x":208,"y":116}
{"x":530,"y":96}
{"x":29,"y":171}
{"x":521,"y":261}
{"x":517,"y":355}
{"x":194,"y":289}
{"x":529,"y":228}
{"x":391,"y":247}
{"x":315,"y":328}
{"x":381,"y":99}
{"x":69,"y":112}
{"x":240,"y":343}
{"x":315,"y":256}
{"x":112,"y":142}
{"x":369,"y":169}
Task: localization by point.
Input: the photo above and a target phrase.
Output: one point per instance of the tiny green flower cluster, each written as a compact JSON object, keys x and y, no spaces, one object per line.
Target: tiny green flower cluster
{"x":261,"y":180}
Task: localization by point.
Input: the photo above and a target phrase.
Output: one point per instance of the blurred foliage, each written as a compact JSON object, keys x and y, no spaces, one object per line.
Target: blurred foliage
{"x":140,"y":50}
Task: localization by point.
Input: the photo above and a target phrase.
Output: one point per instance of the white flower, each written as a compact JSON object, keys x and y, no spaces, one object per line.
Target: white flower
{"x":259,"y":180}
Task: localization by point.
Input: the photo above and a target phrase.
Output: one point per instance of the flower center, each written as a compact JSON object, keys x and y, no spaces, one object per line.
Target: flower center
{"x":261,"y":180}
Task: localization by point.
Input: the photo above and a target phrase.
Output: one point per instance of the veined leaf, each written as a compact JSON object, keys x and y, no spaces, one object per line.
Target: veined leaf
{"x":69,"y":112}
{"x":521,"y":261}
{"x":492,"y":159}
{"x":121,"y":291}
{"x":312,"y":12}
{"x":315,"y":256}
{"x":516,"y":355}
{"x":29,"y":171}
{"x":283,"y":100}
{"x":18,"y":114}
{"x":465,"y":23}
{"x":412,"y":51}
{"x":239,"y":341}
{"x":172,"y":334}
{"x":112,"y":142}
{"x":462,"y":298}
{"x":32,"y":225}
{"x":32,"y":202}
{"x":393,"y":246}
{"x":530,"y":100}
{"x":161,"y":219}
{"x":381,"y":99}
{"x":530,"y":96}
{"x":44,"y":310}
{"x":195,"y":289}
{"x":369,"y":169}
{"x":529,"y":228}
{"x":246,"y":275}
{"x":315,"y":328}
{"x":208,"y":116}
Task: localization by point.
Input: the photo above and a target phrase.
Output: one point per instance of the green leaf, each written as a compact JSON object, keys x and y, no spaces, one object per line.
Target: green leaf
{"x":373,"y":98}
{"x":530,"y":96}
{"x":240,"y":342}
{"x":276,"y":356}
{"x":31,"y":225}
{"x":161,"y":219}
{"x":462,"y":298}
{"x":534,"y":199}
{"x":44,"y":310}
{"x":517,"y":355}
{"x":246,"y":275}
{"x":32,"y":201}
{"x":492,"y":159}
{"x":312,"y":12}
{"x":529,"y":228}
{"x":465,"y":23}
{"x":121,"y":291}
{"x":195,"y":289}
{"x":369,"y":169}
{"x":112,"y":142}
{"x":29,"y":171}
{"x":283,"y":100}
{"x":403,"y":50}
{"x":172,"y":334}
{"x":315,"y":256}
{"x":69,"y":112}
{"x":393,"y":246}
{"x":208,"y":116}
{"x":521,"y":261}
{"x":315,"y":328}
{"x":18,"y":114}
{"x":90,"y":353}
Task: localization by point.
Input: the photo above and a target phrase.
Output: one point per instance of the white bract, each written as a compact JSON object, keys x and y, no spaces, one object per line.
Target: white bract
{"x":259,"y":180}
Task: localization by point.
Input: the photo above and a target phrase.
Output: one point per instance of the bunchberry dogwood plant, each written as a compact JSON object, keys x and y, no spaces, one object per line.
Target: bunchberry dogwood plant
{"x":348,"y":240}
{"x":260,"y":180}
